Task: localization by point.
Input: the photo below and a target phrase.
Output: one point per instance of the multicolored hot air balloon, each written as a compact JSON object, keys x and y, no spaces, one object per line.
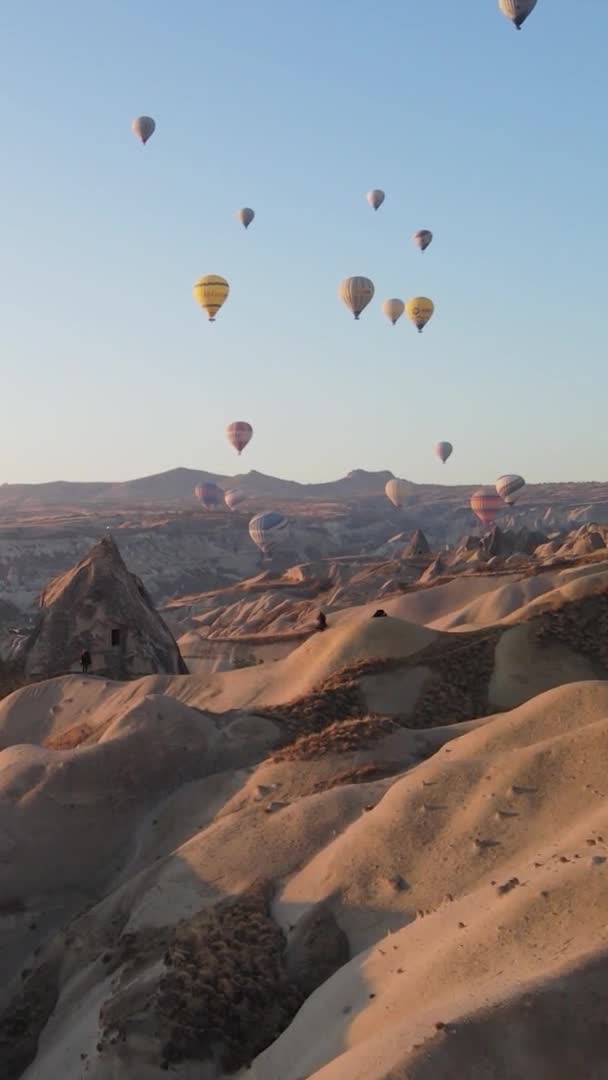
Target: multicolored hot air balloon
{"x":517,"y":10}
{"x":209,"y":495}
{"x":356,"y":293}
{"x":393,"y":309}
{"x":397,"y":491}
{"x":509,"y":487}
{"x":211,"y":291}
{"x":245,"y":216}
{"x":443,"y":451}
{"x":422,"y":238}
{"x":485,"y":504}
{"x":419,"y":310}
{"x":268,"y":530}
{"x":234,"y":498}
{"x":375,"y":198}
{"x":143,"y":127}
{"x":239,"y":433}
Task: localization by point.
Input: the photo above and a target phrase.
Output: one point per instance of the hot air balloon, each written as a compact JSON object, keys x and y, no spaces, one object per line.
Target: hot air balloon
{"x":422,"y":238}
{"x":209,"y":495}
{"x":509,"y":486}
{"x":375,"y":198}
{"x":356,"y":293}
{"x":393,"y":309}
{"x":245,"y":216}
{"x":485,"y":504}
{"x":397,"y":491}
{"x":234,"y":498}
{"x":443,"y":451}
{"x":419,"y":310}
{"x":211,"y":291}
{"x":517,"y":10}
{"x":239,"y":433}
{"x":143,"y":127}
{"x":268,"y":530}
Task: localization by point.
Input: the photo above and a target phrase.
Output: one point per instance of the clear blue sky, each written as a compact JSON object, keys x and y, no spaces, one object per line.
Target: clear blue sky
{"x":496,"y":140}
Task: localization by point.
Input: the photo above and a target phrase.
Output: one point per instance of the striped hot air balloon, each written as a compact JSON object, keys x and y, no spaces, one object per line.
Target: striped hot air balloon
{"x":234,"y":498}
{"x":443,"y":451}
{"x":485,"y":504}
{"x":356,"y":293}
{"x":211,"y":291}
{"x":209,"y":495}
{"x":239,"y":433}
{"x":268,"y":530}
{"x":509,"y":487}
{"x":397,"y":491}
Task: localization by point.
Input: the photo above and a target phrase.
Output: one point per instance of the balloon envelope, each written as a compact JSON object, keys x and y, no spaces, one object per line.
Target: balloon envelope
{"x":356,"y":293}
{"x":268,"y":530}
{"x":234,"y":498}
{"x":375,"y":198}
{"x":419,"y":310}
{"x":397,"y":491}
{"x":143,"y":127}
{"x":393,"y":309}
{"x":211,"y":291}
{"x":443,"y":451}
{"x":209,"y":495}
{"x":509,"y":486}
{"x":485,"y":504}
{"x":245,"y":216}
{"x":517,"y":10}
{"x":422,"y":238}
{"x":239,"y":433}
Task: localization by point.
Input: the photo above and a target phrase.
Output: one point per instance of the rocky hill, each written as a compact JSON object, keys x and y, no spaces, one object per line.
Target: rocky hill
{"x":98,"y":606}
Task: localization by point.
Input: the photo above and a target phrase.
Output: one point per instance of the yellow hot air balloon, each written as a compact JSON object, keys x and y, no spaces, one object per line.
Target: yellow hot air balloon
{"x":210,"y":291}
{"x":419,"y":310}
{"x":393,"y":309}
{"x":356,"y":293}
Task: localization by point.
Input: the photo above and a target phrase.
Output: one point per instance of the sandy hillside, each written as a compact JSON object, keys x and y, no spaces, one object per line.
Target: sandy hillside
{"x":383,"y":856}
{"x":393,"y":901}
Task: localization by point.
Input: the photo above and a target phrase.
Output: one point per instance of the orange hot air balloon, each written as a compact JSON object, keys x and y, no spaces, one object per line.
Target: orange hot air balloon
{"x":485,"y":504}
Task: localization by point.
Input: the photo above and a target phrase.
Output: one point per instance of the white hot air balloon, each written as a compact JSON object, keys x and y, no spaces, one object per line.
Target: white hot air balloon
{"x":375,"y":198}
{"x":517,"y":10}
{"x":393,"y":309}
{"x":397,"y":491}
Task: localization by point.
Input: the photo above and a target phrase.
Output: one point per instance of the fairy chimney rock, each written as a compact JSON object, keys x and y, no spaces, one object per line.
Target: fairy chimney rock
{"x":100,"y":606}
{"x":418,"y":545}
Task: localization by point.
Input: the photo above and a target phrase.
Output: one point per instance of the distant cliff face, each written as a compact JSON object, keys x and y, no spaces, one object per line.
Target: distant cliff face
{"x":100,"y":606}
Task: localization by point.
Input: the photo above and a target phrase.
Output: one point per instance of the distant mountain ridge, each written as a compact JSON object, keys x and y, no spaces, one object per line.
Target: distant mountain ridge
{"x":174,"y":488}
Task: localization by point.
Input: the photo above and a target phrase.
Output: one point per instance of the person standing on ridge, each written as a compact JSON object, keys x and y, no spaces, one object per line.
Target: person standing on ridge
{"x":85,"y":661}
{"x":321,"y":621}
